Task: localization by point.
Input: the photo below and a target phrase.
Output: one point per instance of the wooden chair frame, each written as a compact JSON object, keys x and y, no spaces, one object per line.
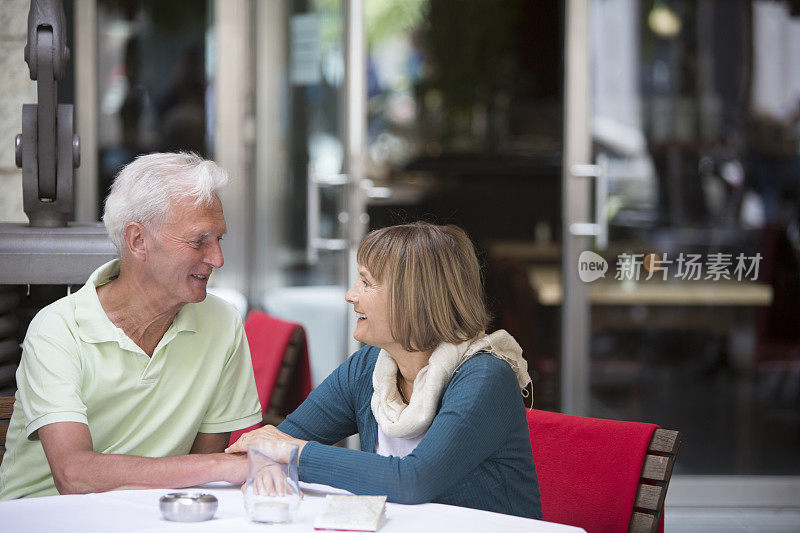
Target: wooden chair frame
{"x":276,"y":411}
{"x":654,"y":481}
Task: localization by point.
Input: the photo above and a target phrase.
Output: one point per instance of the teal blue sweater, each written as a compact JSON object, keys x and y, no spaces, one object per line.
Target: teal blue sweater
{"x":476,"y":453}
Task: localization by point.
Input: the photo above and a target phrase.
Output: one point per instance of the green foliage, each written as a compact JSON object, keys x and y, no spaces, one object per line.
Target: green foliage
{"x":388,"y":18}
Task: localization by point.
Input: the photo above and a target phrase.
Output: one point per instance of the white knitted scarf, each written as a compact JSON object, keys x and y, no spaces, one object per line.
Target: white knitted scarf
{"x":397,"y":419}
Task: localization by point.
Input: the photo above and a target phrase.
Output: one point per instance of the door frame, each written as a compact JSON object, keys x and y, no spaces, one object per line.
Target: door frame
{"x":576,"y":208}
{"x":733,"y":491}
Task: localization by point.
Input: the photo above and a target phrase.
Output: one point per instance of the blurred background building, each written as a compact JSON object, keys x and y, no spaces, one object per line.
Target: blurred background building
{"x":545,"y":129}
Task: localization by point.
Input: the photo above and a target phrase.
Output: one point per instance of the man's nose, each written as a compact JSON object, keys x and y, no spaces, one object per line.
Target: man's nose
{"x":214,"y":256}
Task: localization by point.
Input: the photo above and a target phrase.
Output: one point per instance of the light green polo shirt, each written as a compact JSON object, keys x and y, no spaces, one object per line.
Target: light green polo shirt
{"x":77,"y":366}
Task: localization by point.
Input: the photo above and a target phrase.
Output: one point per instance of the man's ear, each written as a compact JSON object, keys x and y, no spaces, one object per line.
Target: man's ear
{"x":134,"y":240}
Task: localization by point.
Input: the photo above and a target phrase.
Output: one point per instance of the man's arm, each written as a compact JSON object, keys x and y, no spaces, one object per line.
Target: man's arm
{"x":210,"y":442}
{"x":78,"y":469}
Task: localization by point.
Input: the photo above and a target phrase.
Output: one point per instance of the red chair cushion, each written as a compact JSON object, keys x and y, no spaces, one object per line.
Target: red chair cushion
{"x":588,"y":468}
{"x":268,"y":338}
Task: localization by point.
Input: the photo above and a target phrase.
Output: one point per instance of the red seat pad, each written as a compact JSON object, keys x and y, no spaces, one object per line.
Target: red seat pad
{"x":268,"y":338}
{"x":588,"y":468}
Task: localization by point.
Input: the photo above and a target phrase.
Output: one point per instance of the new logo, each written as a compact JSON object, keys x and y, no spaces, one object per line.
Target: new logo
{"x":591,"y":266}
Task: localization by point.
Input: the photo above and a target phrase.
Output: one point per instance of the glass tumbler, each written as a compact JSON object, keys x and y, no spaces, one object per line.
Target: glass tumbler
{"x":272,"y":491}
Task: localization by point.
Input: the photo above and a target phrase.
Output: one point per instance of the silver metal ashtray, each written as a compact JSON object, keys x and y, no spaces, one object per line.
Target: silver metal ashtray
{"x":188,"y":506}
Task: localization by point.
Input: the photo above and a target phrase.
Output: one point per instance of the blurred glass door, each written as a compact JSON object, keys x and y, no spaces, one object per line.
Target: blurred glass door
{"x":153,"y":85}
{"x":691,"y":273}
{"x":309,"y":108}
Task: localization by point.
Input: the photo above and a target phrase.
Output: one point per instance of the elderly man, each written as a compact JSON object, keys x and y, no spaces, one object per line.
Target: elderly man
{"x":137,"y":379}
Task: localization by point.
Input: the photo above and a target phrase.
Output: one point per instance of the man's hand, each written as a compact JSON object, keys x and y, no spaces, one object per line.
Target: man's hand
{"x":78,"y":469}
{"x":271,"y":480}
{"x":235,"y":467}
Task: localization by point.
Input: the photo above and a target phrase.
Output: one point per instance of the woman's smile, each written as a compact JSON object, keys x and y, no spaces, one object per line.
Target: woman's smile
{"x":368,"y":298}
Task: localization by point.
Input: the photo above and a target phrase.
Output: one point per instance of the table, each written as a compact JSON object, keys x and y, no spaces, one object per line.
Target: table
{"x":659,"y":305}
{"x":137,"y":511}
{"x":546,"y":281}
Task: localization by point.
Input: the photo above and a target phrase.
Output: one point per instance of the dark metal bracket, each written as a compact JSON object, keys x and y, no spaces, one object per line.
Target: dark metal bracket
{"x":47,"y":150}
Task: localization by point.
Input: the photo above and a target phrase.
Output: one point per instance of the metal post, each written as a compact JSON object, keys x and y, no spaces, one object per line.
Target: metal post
{"x":355,"y":128}
{"x":272,"y":140}
{"x":85,"y":26}
{"x":576,"y":207}
{"x":235,"y":135}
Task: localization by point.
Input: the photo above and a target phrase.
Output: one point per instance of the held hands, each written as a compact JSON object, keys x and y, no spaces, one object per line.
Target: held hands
{"x":266,"y":433}
{"x":270,"y":479}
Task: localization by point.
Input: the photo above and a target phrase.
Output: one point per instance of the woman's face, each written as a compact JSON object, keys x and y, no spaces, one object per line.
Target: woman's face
{"x":370,"y":303}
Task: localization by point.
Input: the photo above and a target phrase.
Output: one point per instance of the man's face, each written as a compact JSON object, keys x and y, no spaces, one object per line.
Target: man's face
{"x":182,"y":254}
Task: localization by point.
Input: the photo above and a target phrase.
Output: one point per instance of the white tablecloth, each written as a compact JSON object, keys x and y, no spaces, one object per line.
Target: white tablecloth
{"x":137,"y":510}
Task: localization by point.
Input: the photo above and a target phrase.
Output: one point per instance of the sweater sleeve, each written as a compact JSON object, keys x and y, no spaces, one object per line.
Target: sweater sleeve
{"x":328,"y":415}
{"x":471,"y":425}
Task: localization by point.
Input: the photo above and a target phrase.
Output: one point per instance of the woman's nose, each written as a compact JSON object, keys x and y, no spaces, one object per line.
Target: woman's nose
{"x":350,"y":296}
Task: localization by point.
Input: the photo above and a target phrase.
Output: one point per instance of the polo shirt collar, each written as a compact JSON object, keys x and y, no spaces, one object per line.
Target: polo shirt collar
{"x":93,"y":323}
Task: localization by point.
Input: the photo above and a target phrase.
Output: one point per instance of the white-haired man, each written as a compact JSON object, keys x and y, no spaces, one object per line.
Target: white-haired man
{"x":137,"y":379}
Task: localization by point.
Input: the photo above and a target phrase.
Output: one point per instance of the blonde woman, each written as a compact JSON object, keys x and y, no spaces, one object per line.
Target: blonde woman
{"x":436,"y":402}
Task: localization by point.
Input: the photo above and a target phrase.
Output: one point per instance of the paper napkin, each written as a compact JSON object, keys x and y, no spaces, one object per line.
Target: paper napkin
{"x":351,"y":513}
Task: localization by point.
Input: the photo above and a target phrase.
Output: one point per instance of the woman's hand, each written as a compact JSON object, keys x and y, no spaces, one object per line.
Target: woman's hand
{"x":266,"y":433}
{"x":271,"y":479}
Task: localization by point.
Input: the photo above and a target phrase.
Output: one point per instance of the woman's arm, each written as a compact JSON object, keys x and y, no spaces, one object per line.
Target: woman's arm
{"x":328,"y":415}
{"x":473,"y":423}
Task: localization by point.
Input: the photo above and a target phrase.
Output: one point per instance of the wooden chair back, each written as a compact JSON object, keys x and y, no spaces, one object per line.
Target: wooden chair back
{"x":276,"y":410}
{"x":6,"y":408}
{"x":656,"y":473}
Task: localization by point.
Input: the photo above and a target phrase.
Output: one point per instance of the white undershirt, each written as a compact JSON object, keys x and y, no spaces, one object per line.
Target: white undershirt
{"x":397,"y":446}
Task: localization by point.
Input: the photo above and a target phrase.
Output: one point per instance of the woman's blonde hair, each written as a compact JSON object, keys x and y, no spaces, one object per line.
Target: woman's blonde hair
{"x":434,"y":283}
